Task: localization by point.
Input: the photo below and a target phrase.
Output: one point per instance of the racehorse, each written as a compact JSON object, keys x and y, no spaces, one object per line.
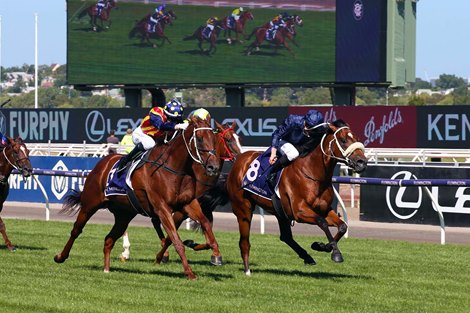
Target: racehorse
{"x":238,"y":28}
{"x":282,"y":33}
{"x":103,"y":17}
{"x":15,"y":155}
{"x":305,"y":190}
{"x":212,"y":39}
{"x":229,"y":147}
{"x":142,"y":29}
{"x":157,"y":186}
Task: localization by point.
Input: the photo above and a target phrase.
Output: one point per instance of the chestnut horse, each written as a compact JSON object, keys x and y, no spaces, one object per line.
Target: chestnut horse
{"x":103,"y":17}
{"x":141,"y":29}
{"x":15,"y":155}
{"x":305,"y":190}
{"x":238,"y":28}
{"x":157,"y":185}
{"x":280,"y":38}
{"x":229,"y":147}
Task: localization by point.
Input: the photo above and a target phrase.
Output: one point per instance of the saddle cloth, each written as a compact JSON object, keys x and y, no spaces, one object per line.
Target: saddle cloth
{"x":118,"y":185}
{"x":254,"y":180}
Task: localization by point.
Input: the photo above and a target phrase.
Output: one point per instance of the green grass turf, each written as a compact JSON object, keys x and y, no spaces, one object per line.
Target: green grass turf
{"x":110,"y":57}
{"x":377,"y":276}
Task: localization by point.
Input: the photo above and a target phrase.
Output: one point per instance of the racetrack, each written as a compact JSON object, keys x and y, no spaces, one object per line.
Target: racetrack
{"x":227,"y":222}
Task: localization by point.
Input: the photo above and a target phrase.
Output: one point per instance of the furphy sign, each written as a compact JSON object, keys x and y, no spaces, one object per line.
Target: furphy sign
{"x":376,"y":126}
{"x":39,"y":125}
{"x":411,"y":204}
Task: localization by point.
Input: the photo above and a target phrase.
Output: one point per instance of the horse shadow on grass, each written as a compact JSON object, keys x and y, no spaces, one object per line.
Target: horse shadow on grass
{"x":316,"y":275}
{"x":178,"y":274}
{"x":3,"y":247}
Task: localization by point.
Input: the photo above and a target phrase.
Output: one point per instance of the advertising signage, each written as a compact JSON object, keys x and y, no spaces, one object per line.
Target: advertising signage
{"x":324,"y":42}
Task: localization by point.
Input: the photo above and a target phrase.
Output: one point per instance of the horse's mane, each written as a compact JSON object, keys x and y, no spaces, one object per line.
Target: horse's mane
{"x":316,"y":137}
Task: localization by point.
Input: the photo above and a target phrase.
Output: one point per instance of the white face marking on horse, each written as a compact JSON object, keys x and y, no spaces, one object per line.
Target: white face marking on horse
{"x":350,"y":135}
{"x":237,"y":140}
{"x":23,"y":150}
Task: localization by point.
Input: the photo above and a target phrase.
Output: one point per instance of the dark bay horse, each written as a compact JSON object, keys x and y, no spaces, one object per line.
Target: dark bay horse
{"x":238,"y":28}
{"x":212,"y":39}
{"x":141,"y":29}
{"x":157,"y":185}
{"x":103,"y":17}
{"x":229,"y":147}
{"x":15,"y":155}
{"x":280,"y":38}
{"x":305,"y":190}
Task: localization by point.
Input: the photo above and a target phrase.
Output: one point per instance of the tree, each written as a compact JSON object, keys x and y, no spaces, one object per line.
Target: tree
{"x":447,"y":81}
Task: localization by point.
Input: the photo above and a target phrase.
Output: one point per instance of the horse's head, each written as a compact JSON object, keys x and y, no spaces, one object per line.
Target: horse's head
{"x":229,"y":141}
{"x":171,"y":13}
{"x":201,"y":142}
{"x":340,"y":143}
{"x":17,"y":155}
{"x":111,"y":4}
{"x":247,"y":15}
{"x":297,"y":20}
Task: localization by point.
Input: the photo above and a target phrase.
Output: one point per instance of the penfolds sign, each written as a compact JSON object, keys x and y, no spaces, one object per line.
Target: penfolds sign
{"x":376,"y":126}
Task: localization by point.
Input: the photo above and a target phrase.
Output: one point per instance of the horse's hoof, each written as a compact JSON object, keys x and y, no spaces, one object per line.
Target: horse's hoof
{"x":58,"y":258}
{"x":318,"y":246}
{"x":165,"y":259}
{"x":105,"y":271}
{"x":216,"y":260}
{"x":123,"y":259}
{"x":248,"y":273}
{"x":337,"y":257}
{"x":11,"y":248}
{"x":309,"y":261}
{"x":190,"y":243}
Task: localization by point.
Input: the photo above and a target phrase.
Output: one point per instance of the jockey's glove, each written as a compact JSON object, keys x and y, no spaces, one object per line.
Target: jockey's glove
{"x":181,"y":126}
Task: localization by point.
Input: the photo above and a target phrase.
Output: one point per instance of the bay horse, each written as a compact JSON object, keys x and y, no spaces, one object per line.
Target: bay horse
{"x":92,"y":12}
{"x":229,"y":147}
{"x":238,"y":28}
{"x":212,"y":40}
{"x":14,"y":155}
{"x":280,"y":38}
{"x":305,"y":190}
{"x":142,"y":30}
{"x":157,"y":186}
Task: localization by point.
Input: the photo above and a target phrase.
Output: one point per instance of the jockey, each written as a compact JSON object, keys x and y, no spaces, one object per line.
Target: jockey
{"x":235,"y":16}
{"x":278,"y":21}
{"x":100,"y":6}
{"x":155,"y":17}
{"x":210,"y":24}
{"x":3,"y":140}
{"x":154,"y":125}
{"x":295,"y":130}
{"x":202,"y":113}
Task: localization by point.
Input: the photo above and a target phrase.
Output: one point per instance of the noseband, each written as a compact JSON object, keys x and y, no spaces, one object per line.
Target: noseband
{"x":16,"y":162}
{"x":346,"y":153}
{"x":230,"y":156}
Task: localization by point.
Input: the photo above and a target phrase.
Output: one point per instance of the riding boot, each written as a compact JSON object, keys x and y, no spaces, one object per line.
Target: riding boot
{"x":276,"y":167}
{"x":130,"y":156}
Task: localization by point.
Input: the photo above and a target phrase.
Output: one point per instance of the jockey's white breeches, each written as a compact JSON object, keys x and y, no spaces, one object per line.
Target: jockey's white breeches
{"x":288,"y":149}
{"x":211,"y":27}
{"x":153,"y":20}
{"x":138,"y":136}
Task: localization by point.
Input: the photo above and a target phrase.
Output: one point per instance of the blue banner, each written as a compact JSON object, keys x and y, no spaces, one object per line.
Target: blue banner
{"x":55,"y":186}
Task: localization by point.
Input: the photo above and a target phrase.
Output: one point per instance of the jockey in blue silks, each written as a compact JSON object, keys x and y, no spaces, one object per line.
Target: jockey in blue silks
{"x":294,"y":130}
{"x":155,"y":17}
{"x":3,"y":139}
{"x":100,"y":6}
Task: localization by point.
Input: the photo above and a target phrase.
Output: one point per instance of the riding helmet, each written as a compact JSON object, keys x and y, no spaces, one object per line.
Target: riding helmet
{"x":173,"y":109}
{"x":313,"y":118}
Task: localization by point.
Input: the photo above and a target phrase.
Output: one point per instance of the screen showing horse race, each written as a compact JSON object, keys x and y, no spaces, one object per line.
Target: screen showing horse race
{"x":206,"y":42}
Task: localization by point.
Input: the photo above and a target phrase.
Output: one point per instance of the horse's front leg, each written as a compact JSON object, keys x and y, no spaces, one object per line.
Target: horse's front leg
{"x":286,"y":236}
{"x":3,"y":230}
{"x":332,"y":243}
{"x":194,"y":211}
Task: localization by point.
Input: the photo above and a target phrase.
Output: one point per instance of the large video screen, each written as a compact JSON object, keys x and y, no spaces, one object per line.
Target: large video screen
{"x":113,"y":48}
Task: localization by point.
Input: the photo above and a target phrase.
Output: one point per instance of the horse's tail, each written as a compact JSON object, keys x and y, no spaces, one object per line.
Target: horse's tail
{"x":194,"y":35}
{"x":83,"y":13}
{"x":217,"y":195}
{"x":252,"y":33}
{"x":133,"y":32}
{"x":72,"y":203}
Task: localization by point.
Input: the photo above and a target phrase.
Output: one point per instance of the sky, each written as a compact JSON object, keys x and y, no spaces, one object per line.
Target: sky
{"x":442,"y":35}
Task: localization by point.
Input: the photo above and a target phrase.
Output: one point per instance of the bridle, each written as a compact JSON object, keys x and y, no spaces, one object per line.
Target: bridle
{"x":230,"y":156}
{"x":16,"y":162}
{"x":197,"y":156}
{"x":346,"y":153}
